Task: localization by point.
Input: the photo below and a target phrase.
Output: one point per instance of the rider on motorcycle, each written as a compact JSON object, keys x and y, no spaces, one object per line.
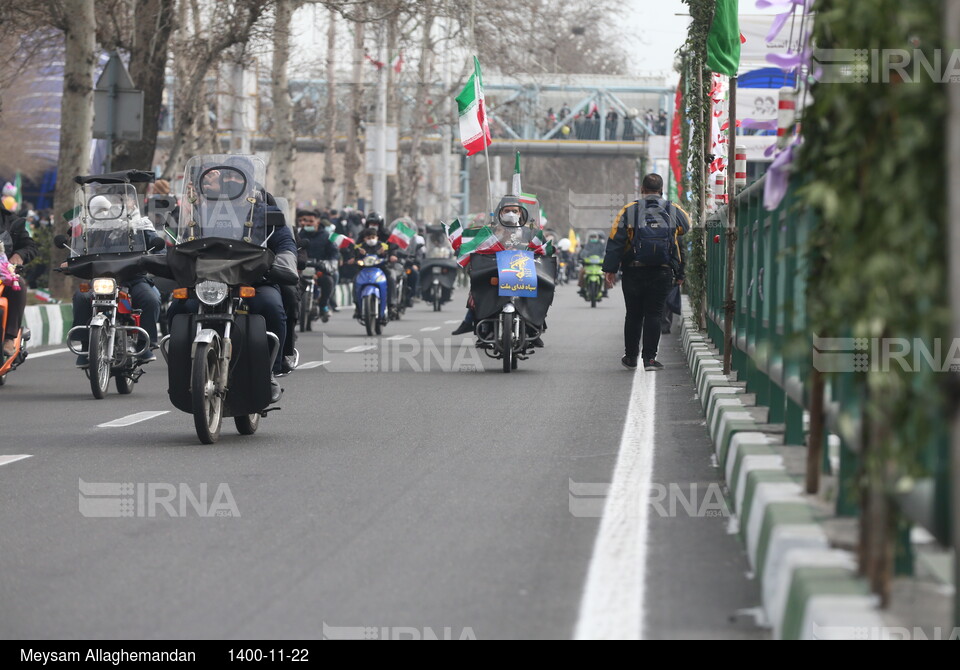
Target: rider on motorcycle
{"x":511,"y":220}
{"x":319,"y":249}
{"x":370,"y":242}
{"x":20,"y":249}
{"x":594,"y":246}
{"x":144,"y":296}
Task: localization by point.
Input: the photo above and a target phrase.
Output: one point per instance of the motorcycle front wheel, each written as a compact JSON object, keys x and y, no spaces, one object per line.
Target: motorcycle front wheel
{"x":100,"y":360}
{"x":371,"y":314}
{"x":506,"y":341}
{"x":306,"y":305}
{"x":207,"y":403}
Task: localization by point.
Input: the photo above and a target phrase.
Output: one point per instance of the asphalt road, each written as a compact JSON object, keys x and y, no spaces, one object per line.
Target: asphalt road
{"x":410,"y":489}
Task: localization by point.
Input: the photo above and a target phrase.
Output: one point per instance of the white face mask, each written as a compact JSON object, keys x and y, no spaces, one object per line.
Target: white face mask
{"x":331,"y":228}
{"x":510,"y":218}
{"x":371,"y":243}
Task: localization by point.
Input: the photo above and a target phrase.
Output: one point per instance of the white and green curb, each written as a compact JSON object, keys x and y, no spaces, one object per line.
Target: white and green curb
{"x":808,"y":589}
{"x":48,"y":324}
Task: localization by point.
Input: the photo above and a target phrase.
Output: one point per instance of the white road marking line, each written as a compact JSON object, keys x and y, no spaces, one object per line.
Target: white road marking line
{"x":311,"y":365}
{"x":431,"y":328}
{"x":132,"y":419}
{"x":357,"y":350}
{"x":6,"y":460}
{"x":451,"y":323}
{"x":613,"y":600}
{"x":52,"y":352}
{"x":397,"y":337}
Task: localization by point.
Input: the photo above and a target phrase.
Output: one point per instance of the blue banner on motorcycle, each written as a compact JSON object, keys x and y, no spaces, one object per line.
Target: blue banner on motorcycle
{"x":518,"y":273}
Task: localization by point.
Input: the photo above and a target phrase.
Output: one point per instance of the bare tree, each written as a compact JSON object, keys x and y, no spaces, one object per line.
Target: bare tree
{"x":219,"y":26}
{"x":351,"y":161}
{"x":409,"y":178}
{"x":331,"y":115}
{"x":284,"y":139}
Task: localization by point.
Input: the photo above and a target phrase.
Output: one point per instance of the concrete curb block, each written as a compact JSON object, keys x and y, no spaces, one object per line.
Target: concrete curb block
{"x":808,"y":590}
{"x":48,"y":324}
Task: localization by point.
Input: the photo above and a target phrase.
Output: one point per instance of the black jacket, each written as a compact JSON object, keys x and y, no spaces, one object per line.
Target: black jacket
{"x":15,"y":238}
{"x":620,"y":244}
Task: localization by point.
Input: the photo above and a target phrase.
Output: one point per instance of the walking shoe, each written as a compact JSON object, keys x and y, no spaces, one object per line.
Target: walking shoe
{"x":147,"y":356}
{"x":275,"y":390}
{"x":463,"y":329}
{"x":629,"y":362}
{"x":9,"y":347}
{"x":652,"y":365}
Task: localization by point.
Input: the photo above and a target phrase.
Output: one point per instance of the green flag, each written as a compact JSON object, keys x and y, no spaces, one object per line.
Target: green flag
{"x":723,"y":42}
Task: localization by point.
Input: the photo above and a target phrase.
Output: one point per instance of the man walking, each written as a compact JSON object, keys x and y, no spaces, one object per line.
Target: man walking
{"x":644,"y":244}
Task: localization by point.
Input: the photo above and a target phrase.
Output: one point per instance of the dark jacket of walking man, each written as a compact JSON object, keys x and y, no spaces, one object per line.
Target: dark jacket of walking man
{"x":645,"y":245}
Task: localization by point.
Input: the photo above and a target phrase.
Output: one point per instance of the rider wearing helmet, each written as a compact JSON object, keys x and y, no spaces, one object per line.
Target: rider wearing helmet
{"x":594,"y":246}
{"x":370,"y":244}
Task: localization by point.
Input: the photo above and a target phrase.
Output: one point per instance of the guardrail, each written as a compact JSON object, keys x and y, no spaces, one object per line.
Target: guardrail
{"x":814,"y":386}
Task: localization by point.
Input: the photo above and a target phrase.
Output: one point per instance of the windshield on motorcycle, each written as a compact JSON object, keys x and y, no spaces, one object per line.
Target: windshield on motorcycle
{"x":223,"y":197}
{"x":437,"y":243}
{"x":108,"y":220}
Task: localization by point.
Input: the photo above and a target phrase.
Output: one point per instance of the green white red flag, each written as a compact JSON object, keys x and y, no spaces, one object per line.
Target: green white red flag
{"x":454,"y":233}
{"x":342,"y":241}
{"x":540,"y":246}
{"x":474,"y":129}
{"x":479,"y":241}
{"x":401,"y":235}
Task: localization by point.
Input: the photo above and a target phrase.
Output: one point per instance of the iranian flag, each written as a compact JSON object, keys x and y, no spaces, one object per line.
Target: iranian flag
{"x":454,"y":234}
{"x":540,"y":246}
{"x":73,"y":218}
{"x":529,"y":199}
{"x":342,"y":241}
{"x":479,"y":241}
{"x":397,"y":62}
{"x":401,"y":235}
{"x":474,"y":131}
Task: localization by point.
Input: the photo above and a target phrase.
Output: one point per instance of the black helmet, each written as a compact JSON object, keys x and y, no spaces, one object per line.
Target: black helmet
{"x":512,"y":201}
{"x":374,"y":219}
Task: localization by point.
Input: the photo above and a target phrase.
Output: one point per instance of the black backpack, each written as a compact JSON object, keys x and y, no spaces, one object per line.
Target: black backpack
{"x":654,"y":233}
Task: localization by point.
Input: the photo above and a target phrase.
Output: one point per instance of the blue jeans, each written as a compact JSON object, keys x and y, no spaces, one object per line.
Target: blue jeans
{"x":143,"y":296}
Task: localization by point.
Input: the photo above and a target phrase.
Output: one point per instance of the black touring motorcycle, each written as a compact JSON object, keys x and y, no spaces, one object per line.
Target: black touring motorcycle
{"x":220,"y":358}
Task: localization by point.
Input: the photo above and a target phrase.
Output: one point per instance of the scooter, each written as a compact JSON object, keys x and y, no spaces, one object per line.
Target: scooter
{"x":370,"y":286}
{"x":10,"y":363}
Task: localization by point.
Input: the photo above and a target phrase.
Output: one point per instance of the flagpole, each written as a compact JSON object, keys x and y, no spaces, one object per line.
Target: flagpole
{"x":486,"y":157}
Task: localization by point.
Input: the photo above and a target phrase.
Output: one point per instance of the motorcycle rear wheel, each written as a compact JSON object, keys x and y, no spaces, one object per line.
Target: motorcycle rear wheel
{"x":124,"y":384}
{"x":506,"y":342}
{"x":207,"y":404}
{"x":247,"y":424}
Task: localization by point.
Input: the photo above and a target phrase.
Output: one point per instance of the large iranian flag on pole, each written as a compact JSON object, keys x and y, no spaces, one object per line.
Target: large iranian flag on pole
{"x":474,"y":130}
{"x":401,"y":235}
{"x":342,"y":241}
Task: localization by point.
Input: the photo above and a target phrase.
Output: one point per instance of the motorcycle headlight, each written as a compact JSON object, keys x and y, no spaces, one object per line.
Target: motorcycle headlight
{"x":211,"y":292}
{"x":104,"y":286}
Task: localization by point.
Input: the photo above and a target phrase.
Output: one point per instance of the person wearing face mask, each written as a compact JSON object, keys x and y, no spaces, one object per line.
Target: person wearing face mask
{"x":510,"y":228}
{"x":370,"y":244}
{"x":321,"y":251}
{"x":594,"y":246}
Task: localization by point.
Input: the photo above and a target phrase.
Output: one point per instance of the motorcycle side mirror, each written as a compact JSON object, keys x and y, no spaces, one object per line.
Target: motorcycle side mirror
{"x":276,"y":220}
{"x":61,"y":241}
{"x":157,"y":244}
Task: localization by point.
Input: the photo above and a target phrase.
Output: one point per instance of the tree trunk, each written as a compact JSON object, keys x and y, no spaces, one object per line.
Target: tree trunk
{"x":330,"y":145}
{"x":76,"y":125}
{"x":410,"y":177}
{"x":284,"y":139}
{"x":148,"y":60}
{"x":351,"y":161}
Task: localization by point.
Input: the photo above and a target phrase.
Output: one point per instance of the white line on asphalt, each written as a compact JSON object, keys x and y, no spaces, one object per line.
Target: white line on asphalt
{"x":426,"y":330}
{"x":398,"y":337}
{"x":52,"y":352}
{"x":6,"y":460}
{"x":613,"y":600}
{"x":357,"y":350}
{"x":450,"y":323}
{"x":132,"y":419}
{"x":311,"y":365}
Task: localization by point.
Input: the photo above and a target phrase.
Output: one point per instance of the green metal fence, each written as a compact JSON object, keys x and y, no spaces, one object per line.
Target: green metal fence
{"x":774,"y":350}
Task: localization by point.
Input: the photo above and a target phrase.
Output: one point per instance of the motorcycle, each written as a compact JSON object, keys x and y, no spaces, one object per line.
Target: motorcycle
{"x":10,"y":363}
{"x":506,"y":326}
{"x":310,"y":280}
{"x":438,"y":276}
{"x":220,"y":358}
{"x":593,"y":279}
{"x":370,"y":286}
{"x":108,"y":244}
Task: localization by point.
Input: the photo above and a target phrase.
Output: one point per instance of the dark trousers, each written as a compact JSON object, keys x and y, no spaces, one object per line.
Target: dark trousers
{"x":326,"y":284}
{"x":267,"y":302}
{"x":143,"y":296}
{"x":16,"y":303}
{"x":644,"y":292}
